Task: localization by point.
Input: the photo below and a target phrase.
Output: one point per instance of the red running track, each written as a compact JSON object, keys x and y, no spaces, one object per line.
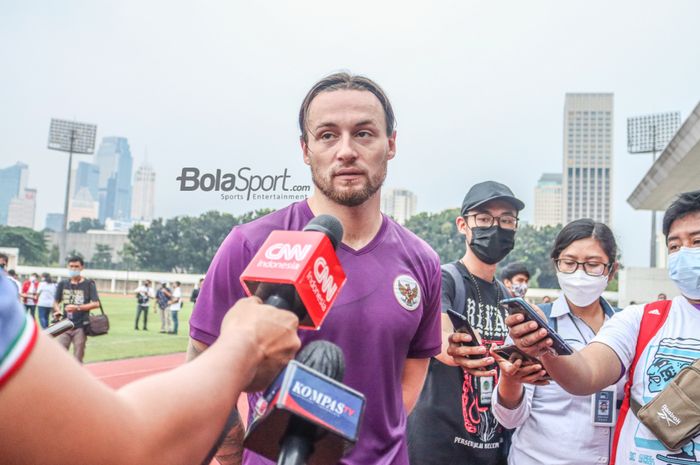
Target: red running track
{"x":120,"y":372}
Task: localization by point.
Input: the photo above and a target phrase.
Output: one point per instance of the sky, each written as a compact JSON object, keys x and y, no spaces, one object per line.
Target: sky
{"x":477,"y":87}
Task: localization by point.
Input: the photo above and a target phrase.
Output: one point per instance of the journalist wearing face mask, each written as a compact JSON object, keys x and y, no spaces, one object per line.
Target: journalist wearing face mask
{"x":452,"y":421}
{"x":584,"y":257}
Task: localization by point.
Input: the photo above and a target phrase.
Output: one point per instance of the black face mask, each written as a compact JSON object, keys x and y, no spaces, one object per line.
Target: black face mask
{"x":492,"y":244}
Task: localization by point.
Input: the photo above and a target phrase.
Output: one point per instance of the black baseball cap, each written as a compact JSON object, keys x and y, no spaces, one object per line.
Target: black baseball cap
{"x":486,"y":191}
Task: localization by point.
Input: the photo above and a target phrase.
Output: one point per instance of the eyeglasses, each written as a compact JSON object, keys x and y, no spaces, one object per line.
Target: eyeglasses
{"x":568,"y":266}
{"x":487,"y":220}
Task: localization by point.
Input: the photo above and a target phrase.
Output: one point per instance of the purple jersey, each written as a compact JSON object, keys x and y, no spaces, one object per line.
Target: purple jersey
{"x":388,"y":310}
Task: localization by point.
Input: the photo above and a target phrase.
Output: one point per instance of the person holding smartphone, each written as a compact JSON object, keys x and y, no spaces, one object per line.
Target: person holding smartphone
{"x":452,"y":422}
{"x":584,"y":256}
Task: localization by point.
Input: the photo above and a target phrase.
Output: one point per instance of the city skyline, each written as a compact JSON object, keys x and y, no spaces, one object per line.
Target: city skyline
{"x":478,"y":89}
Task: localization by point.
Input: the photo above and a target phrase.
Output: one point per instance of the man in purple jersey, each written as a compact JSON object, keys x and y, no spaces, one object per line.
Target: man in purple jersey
{"x":387,"y":318}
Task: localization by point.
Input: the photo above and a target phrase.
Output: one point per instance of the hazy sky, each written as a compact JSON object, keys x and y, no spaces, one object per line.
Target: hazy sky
{"x":478,"y":87}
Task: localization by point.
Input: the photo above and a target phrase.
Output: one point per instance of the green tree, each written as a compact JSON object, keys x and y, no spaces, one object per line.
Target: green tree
{"x":185,"y":243}
{"x":84,"y":225}
{"x":533,"y":247}
{"x":31,"y":244}
{"x":102,"y":258}
{"x":440,"y":231}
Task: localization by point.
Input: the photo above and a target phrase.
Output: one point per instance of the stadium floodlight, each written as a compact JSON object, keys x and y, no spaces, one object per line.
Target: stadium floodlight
{"x":650,"y":134}
{"x":72,"y":137}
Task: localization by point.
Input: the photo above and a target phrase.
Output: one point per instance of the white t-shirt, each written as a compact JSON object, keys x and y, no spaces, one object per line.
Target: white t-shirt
{"x":676,"y":345}
{"x":47,"y":294}
{"x":177,"y":296}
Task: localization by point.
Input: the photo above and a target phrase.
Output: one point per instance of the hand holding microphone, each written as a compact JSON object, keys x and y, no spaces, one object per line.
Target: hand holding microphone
{"x":273,"y":333}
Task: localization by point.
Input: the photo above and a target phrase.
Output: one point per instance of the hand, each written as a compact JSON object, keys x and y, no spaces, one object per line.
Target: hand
{"x":515,"y":372}
{"x":527,"y":337}
{"x":71,"y":308}
{"x":57,"y":316}
{"x":273,"y":333}
{"x":461,"y":353}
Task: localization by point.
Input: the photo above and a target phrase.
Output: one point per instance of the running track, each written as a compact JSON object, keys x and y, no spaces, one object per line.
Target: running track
{"x":120,"y":372}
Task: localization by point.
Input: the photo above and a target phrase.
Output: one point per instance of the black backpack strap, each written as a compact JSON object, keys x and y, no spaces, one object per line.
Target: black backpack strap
{"x":460,"y":299}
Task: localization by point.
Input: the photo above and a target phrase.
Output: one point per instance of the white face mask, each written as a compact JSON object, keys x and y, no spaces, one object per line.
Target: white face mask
{"x":684,"y":270}
{"x":580,"y":288}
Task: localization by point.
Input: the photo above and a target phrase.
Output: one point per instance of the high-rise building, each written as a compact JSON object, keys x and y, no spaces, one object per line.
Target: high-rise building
{"x":22,"y":209}
{"x":54,"y":222}
{"x":87,"y":176}
{"x":13,"y":180}
{"x":115,"y":166}
{"x":82,"y":205}
{"x":548,"y":200}
{"x":143,"y":201}
{"x":588,"y":157}
{"x":400,"y":204}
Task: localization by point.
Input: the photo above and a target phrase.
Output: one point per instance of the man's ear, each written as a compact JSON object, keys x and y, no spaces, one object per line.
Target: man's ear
{"x":392,"y":146}
{"x":304,"y":150}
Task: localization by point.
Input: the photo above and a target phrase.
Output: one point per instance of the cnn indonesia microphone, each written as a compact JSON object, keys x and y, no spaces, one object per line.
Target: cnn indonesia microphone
{"x":307,"y":415}
{"x":299,"y":270}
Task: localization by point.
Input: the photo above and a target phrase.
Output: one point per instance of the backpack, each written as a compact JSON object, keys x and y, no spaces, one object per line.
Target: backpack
{"x":461,"y":290}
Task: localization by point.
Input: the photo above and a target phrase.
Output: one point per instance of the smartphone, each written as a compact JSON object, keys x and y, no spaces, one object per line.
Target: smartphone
{"x":59,"y":327}
{"x":519,"y":305}
{"x":461,"y":325}
{"x":512,"y":353}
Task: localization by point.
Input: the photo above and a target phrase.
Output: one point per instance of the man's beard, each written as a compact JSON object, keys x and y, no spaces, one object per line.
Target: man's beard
{"x":350,"y":197}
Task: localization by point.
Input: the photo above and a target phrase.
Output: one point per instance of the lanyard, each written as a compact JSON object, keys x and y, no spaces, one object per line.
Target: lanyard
{"x":585,"y":341}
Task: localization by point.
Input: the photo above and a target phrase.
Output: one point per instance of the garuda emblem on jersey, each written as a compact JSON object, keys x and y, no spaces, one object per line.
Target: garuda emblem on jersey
{"x":407,"y":292}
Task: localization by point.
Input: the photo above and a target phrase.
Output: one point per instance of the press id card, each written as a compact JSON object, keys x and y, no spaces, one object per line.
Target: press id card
{"x":604,"y":407}
{"x":485,"y":390}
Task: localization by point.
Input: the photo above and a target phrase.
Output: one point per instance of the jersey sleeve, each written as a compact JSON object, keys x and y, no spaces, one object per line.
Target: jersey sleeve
{"x":18,"y":332}
{"x":427,"y":341}
{"x":222,"y":288}
{"x":620,"y":333}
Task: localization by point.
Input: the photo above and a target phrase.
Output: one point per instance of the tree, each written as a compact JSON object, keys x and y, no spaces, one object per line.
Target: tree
{"x":532,"y":245}
{"x":185,"y":243}
{"x":84,"y":225}
{"x":440,"y":231}
{"x":102,"y":258}
{"x":31,"y":244}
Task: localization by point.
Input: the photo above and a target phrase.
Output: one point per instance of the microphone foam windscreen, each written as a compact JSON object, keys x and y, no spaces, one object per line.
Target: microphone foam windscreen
{"x":324,"y":357}
{"x":328,"y":225}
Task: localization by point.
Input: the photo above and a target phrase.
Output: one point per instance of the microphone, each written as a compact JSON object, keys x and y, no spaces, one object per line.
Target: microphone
{"x":299,"y":270}
{"x":314,"y":415}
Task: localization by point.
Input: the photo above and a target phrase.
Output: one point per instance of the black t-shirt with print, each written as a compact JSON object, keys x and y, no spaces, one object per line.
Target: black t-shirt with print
{"x":68,"y":293}
{"x":452,"y":423}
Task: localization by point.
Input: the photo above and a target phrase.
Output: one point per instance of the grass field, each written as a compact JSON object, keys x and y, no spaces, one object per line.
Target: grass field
{"x":124,"y":342}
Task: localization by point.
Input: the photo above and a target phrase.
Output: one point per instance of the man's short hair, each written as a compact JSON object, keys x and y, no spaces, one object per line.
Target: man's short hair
{"x":2,"y":255}
{"x":12,"y":273}
{"x":177,"y":283}
{"x":76,"y":258}
{"x":687,"y":202}
{"x":513,"y":269}
{"x":346,"y":81}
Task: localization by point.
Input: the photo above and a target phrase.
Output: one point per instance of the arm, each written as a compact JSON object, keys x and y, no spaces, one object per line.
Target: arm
{"x":231,"y":449}
{"x":126,"y":426}
{"x":582,"y":373}
{"x":412,"y":379}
